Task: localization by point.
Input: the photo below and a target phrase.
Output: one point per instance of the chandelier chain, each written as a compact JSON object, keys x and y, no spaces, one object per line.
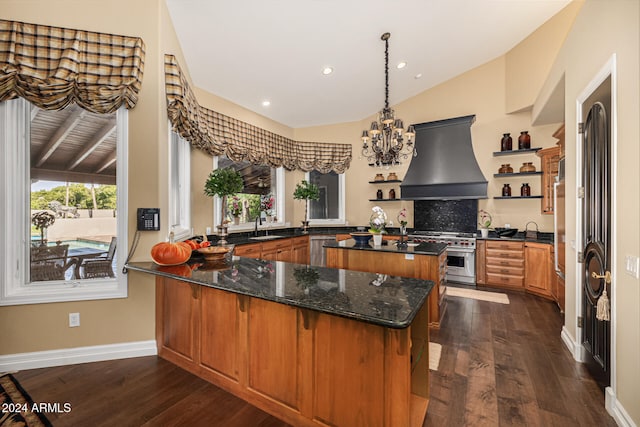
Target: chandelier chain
{"x":386,"y":72}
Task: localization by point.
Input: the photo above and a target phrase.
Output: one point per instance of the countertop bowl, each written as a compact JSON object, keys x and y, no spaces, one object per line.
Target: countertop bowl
{"x":215,"y":253}
{"x":361,"y":238}
{"x":506,"y":232}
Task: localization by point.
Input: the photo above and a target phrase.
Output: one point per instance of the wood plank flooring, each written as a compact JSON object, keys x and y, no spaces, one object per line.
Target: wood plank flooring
{"x":501,"y":365}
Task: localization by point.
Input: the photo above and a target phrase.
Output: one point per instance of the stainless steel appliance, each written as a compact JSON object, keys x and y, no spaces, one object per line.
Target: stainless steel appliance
{"x":461,"y":253}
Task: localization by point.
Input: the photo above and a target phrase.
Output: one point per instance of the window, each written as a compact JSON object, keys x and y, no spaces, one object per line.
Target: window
{"x":60,"y":223}
{"x":262,"y":195}
{"x":330,"y":207}
{"x":179,"y":186}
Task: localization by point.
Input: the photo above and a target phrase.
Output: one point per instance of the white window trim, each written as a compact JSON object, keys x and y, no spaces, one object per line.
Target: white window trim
{"x":250,"y":226}
{"x":14,"y":204}
{"x":341,"y":220}
{"x":183,"y":230}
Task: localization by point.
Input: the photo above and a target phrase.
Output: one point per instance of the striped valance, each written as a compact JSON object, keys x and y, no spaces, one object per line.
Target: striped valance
{"x":218,"y":134}
{"x":53,"y":67}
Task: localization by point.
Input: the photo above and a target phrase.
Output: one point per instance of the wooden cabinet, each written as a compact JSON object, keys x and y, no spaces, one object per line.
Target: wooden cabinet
{"x":307,"y":368}
{"x":481,"y":262}
{"x":504,"y":264}
{"x":538,"y":272}
{"x":549,"y":158}
{"x":294,"y":249}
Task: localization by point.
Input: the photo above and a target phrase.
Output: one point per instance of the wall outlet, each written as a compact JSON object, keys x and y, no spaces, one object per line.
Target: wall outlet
{"x":74,"y":320}
{"x":208,"y":230}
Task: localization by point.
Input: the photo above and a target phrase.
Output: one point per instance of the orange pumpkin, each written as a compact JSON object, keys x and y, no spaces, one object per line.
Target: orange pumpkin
{"x":169,"y":253}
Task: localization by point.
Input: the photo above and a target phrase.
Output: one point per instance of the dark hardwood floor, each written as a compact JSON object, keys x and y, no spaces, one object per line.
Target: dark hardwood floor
{"x":501,"y":365}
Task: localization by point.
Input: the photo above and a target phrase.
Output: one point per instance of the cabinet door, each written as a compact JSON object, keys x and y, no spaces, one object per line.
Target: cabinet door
{"x":300,"y":250}
{"x":481,"y":262}
{"x":177,"y":328}
{"x":537,"y":268}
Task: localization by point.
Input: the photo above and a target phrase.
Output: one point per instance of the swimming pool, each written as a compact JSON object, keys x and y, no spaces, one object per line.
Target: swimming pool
{"x":80,"y":243}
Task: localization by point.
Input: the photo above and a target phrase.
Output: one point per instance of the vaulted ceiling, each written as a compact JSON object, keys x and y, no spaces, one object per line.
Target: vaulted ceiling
{"x":255,"y":50}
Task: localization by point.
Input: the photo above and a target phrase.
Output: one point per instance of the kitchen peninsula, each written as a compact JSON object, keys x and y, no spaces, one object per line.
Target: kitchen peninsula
{"x":313,"y":346}
{"x":422,"y":261}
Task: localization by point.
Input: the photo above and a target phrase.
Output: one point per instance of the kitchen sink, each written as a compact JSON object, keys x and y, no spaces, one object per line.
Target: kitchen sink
{"x":269,"y":237}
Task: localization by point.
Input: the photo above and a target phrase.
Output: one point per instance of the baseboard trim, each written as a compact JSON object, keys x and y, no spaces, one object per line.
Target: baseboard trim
{"x":574,"y":347}
{"x":616,"y":410}
{"x":72,"y":356}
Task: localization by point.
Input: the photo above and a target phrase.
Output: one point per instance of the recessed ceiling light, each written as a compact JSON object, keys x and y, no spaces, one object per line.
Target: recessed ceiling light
{"x":266,"y":103}
{"x":417,"y":76}
{"x":327,"y":70}
{"x":401,"y":65}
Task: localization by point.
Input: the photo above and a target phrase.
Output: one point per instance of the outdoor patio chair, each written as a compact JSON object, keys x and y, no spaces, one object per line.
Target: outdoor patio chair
{"x":101,"y":266}
{"x":50,"y":262}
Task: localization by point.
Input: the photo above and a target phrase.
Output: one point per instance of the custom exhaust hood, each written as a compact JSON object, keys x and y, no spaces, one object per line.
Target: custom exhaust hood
{"x":445,"y":167}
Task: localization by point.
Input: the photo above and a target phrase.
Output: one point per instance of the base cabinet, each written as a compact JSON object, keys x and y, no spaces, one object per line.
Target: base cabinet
{"x":538,"y":271}
{"x":504,"y":264}
{"x":304,"y":367}
{"x":293,"y":249}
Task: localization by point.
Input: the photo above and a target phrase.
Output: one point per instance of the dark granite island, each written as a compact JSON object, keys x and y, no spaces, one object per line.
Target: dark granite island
{"x":426,"y":261}
{"x":313,"y":346}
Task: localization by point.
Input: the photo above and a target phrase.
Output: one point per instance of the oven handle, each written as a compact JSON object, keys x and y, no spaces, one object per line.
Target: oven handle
{"x":461,"y":250}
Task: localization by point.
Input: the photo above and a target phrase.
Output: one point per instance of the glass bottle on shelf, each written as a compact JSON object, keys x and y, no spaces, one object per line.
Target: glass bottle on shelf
{"x":392,"y":194}
{"x":379,"y":194}
{"x":506,"y":143}
{"x":524,"y":140}
{"x":525,"y":190}
{"x":506,"y":190}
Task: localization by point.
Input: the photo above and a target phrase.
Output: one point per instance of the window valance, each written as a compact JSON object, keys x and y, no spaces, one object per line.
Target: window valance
{"x":53,"y":67}
{"x":218,"y":134}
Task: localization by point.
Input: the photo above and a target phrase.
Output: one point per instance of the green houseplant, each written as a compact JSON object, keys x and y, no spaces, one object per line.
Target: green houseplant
{"x":306,"y":191}
{"x":223,"y":182}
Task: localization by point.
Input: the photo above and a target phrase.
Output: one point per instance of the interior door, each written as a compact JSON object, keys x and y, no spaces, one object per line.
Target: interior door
{"x":596,"y":234}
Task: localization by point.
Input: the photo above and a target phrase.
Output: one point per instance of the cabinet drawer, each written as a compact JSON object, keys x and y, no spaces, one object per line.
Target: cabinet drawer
{"x":505,"y":262}
{"x":276,"y":244}
{"x":497,"y":244}
{"x":504,"y":253}
{"x":249,"y":251}
{"x":505,"y":280}
{"x":512,"y":271}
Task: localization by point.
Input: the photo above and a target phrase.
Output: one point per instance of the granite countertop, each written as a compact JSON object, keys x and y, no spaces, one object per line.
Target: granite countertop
{"x":379,"y":299}
{"x":543,"y":237}
{"x":390,"y":246}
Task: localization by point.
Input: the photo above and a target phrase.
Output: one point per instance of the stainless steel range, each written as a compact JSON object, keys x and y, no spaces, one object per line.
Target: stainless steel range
{"x":461,"y":253}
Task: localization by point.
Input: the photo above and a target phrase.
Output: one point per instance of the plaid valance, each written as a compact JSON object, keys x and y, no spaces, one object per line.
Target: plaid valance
{"x":53,"y":67}
{"x":218,"y":134}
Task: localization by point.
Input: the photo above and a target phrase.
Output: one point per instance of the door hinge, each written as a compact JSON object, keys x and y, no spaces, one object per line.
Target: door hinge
{"x":580,"y":257}
{"x":580,"y":321}
{"x":581,"y":127}
{"x":580,"y":192}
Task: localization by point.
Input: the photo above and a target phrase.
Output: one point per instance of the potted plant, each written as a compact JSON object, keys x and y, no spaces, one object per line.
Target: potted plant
{"x":306,"y":191}
{"x":236,"y":209}
{"x":485,"y":223}
{"x":223,"y":182}
{"x":41,"y":221}
{"x":377,"y":224}
{"x":266,"y":205}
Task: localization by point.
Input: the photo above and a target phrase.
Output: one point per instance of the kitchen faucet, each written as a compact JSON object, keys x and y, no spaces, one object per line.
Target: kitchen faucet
{"x":255,"y":229}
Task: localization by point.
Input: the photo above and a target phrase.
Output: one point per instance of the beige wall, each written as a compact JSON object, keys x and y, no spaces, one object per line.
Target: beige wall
{"x":480,"y":91}
{"x":44,"y":326}
{"x":601,"y":30}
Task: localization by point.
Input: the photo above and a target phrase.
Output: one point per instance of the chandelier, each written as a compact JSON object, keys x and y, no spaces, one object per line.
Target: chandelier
{"x":388,"y":143}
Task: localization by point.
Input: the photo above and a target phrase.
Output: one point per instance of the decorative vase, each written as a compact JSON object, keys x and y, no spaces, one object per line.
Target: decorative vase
{"x":379,"y":194}
{"x":236,"y":220}
{"x":379,"y":177}
{"x":506,"y":168}
{"x":506,"y":190}
{"x":392,"y":194}
{"x":527,"y":167}
{"x":392,"y":176}
{"x":484,"y":232}
{"x":506,"y":143}
{"x":525,"y":190}
{"x":377,"y":239}
{"x":524,"y":140}
{"x":305,"y":226}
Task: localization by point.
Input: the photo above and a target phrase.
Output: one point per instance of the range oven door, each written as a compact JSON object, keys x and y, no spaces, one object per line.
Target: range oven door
{"x":461,"y":265}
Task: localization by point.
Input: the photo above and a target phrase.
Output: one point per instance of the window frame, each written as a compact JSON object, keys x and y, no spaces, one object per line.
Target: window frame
{"x":180,"y":191}
{"x":15,"y":288}
{"x":247,"y":226}
{"x":341,"y":220}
